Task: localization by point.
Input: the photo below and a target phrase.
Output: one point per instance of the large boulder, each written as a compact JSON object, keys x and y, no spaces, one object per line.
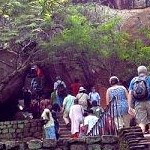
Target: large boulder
{"x":140,"y":3}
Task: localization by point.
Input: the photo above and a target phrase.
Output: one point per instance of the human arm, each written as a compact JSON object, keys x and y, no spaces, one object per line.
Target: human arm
{"x":55,"y":85}
{"x":64,"y":104}
{"x":99,"y":98}
{"x":85,"y":125}
{"x":107,"y":97}
{"x":64,"y":84}
{"x":131,"y":111}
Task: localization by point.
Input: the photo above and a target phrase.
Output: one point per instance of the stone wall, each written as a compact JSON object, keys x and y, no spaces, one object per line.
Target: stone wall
{"x":19,"y":130}
{"x":133,"y":139}
{"x":87,"y":143}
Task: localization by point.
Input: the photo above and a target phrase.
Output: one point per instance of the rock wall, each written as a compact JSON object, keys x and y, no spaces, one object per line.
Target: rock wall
{"x":120,"y":4}
{"x":18,"y":130}
{"x":87,"y":143}
{"x":131,"y":4}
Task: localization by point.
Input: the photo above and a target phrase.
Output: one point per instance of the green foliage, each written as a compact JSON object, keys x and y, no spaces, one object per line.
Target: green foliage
{"x":103,"y":39}
{"x":25,"y":19}
{"x":33,"y":19}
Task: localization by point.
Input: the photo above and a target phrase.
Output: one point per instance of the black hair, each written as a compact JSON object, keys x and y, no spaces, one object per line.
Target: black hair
{"x":76,"y":101}
{"x":85,"y":114}
{"x":94,"y":103}
{"x":90,"y":111}
{"x":114,"y":81}
{"x":84,"y":91}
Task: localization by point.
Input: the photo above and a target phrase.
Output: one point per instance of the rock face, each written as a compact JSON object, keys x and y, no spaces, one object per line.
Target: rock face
{"x":128,"y":4}
{"x":122,"y":4}
{"x":139,"y":21}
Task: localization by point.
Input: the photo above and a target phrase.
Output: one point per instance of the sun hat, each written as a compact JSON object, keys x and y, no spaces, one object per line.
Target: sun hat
{"x":81,"y":89}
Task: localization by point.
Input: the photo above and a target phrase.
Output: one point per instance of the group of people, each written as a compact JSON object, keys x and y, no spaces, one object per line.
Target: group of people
{"x":133,"y":103}
{"x":82,"y":110}
{"x":77,"y":106}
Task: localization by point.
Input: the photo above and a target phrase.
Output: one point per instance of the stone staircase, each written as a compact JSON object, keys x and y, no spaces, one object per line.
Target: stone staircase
{"x":134,"y":138}
{"x":64,"y":131}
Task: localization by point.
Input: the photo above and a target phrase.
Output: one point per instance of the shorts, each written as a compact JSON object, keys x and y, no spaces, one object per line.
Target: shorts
{"x":142,"y":110}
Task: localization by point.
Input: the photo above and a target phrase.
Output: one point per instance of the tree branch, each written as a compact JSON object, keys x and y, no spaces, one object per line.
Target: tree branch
{"x":3,"y":62}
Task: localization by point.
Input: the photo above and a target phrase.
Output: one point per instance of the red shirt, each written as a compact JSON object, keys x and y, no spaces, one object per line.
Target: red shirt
{"x":39,"y":72}
{"x":75,"y":88}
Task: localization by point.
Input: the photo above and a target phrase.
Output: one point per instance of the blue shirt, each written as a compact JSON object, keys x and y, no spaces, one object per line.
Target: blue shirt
{"x":147,"y":82}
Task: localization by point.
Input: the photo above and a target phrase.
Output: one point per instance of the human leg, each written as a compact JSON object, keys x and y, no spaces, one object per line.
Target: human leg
{"x":119,"y":122}
{"x":66,"y":117}
{"x":141,"y":114}
{"x":126,"y":120}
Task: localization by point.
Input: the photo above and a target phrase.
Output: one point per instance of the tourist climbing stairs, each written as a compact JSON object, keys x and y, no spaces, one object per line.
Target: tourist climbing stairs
{"x":63,"y":130}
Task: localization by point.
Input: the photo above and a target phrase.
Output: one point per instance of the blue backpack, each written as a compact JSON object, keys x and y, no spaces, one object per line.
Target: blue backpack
{"x":140,"y":89}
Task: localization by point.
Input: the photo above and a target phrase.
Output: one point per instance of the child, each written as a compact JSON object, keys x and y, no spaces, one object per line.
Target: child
{"x":97,"y":110}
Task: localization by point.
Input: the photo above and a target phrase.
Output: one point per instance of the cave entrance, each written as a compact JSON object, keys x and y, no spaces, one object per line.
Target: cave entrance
{"x":9,"y":109}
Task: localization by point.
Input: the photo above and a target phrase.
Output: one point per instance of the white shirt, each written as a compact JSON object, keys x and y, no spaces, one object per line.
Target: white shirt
{"x":94,"y":96}
{"x":90,"y":121}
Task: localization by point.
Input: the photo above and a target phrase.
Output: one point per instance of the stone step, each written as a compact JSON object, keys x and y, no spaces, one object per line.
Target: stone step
{"x":62,"y":126}
{"x":64,"y":129}
{"x":61,"y":121}
{"x":65,"y":136}
{"x":65,"y":132}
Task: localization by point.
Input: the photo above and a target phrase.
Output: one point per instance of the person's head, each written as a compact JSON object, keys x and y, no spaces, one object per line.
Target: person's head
{"x":94,"y":103}
{"x":85,"y":114}
{"x":82,"y":89}
{"x":142,"y":70}
{"x":90,"y":111}
{"x":113,"y":80}
{"x":46,"y":114}
{"x":58,"y":78}
{"x":93,"y":89}
{"x":76,"y":101}
{"x":68,"y":92}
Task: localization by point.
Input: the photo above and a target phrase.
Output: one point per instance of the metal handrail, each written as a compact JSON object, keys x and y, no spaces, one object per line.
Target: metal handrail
{"x":108,"y":122}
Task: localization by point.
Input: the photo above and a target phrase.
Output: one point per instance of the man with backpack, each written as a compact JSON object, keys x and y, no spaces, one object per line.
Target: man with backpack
{"x":60,"y":89}
{"x":139,"y":94}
